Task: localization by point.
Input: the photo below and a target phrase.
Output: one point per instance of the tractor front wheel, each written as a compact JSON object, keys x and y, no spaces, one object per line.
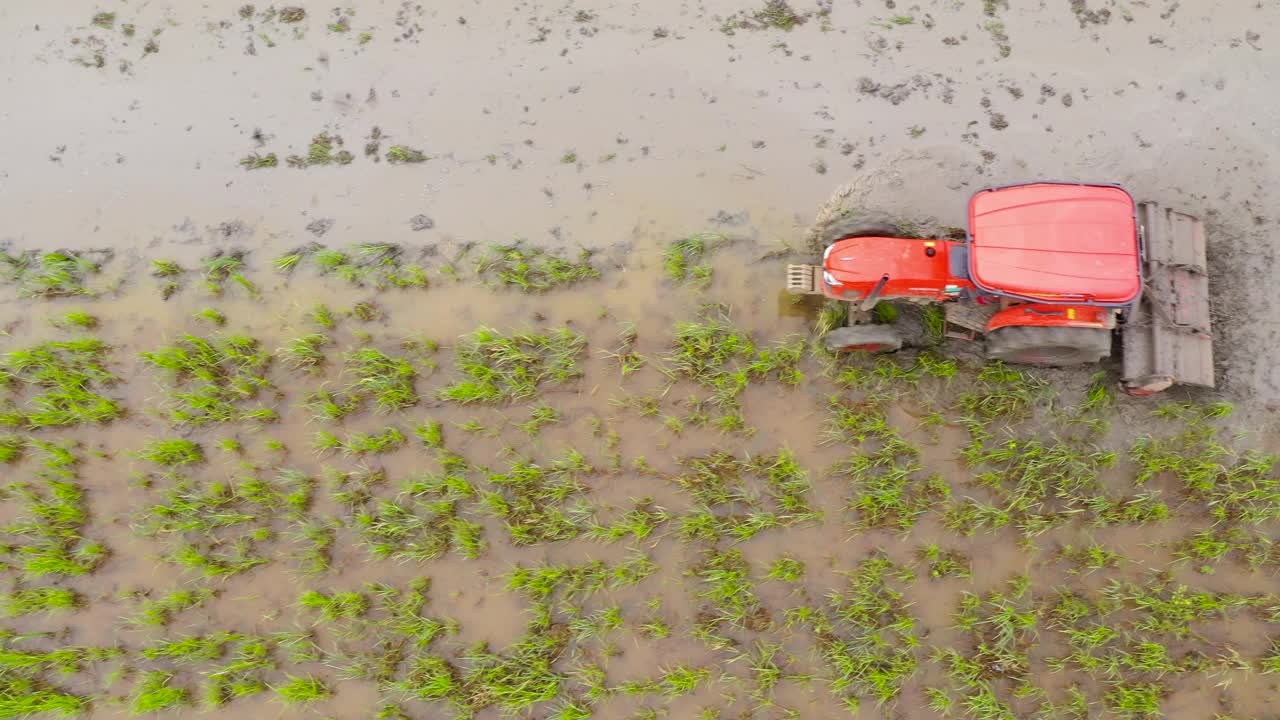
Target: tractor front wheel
{"x":1052,"y":346}
{"x":866,"y":338}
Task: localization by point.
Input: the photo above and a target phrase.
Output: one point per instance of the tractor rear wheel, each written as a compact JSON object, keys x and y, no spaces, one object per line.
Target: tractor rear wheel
{"x":864,"y":226}
{"x":1052,"y":346}
{"x":866,"y":338}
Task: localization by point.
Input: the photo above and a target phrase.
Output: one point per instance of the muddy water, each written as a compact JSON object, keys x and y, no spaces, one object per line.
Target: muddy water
{"x":616,"y":131}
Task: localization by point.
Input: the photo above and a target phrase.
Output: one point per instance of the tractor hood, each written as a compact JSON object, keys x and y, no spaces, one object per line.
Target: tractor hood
{"x":1055,"y":243}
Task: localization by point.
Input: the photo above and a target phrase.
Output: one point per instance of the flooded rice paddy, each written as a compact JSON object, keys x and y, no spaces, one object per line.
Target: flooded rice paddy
{"x":376,"y":482}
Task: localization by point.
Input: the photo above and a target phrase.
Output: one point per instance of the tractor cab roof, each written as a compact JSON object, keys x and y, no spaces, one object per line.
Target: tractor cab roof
{"x":1055,"y":242}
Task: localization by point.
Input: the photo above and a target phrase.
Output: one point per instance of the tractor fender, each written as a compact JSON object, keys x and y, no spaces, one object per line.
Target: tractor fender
{"x":1038,"y":315}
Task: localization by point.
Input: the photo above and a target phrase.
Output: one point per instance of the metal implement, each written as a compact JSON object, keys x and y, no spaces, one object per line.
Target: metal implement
{"x":1167,"y":336}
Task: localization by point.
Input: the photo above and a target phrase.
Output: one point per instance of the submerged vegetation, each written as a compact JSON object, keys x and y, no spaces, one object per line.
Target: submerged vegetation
{"x":287,"y":501}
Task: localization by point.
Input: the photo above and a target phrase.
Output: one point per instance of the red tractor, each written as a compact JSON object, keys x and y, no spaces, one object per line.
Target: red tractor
{"x":1047,"y":272}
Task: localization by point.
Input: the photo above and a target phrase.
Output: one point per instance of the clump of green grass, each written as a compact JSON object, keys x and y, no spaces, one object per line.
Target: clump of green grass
{"x":321,"y":152}
{"x":58,"y":273}
{"x":173,"y":453}
{"x":532,"y":269}
{"x":384,"y":441}
{"x":28,"y":601}
{"x":77,"y":319}
{"x":501,"y":368}
{"x":305,"y":352}
{"x":160,"y":611}
{"x":786,"y":569}
{"x":532,"y":499}
{"x":222,"y":269}
{"x":385,"y":379}
{"x":682,"y":259}
{"x":254,"y":161}
{"x":381,"y":265}
{"x":398,"y":154}
{"x":168,"y":272}
{"x":539,"y":416}
{"x":12,"y":448}
{"x":47,"y":539}
{"x":155,"y":692}
{"x":871,"y":648}
{"x":943,"y":563}
{"x":303,"y":690}
{"x":64,"y":378}
{"x":213,"y":378}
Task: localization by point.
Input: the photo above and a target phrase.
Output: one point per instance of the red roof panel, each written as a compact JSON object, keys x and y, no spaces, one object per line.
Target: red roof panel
{"x":1056,"y":242}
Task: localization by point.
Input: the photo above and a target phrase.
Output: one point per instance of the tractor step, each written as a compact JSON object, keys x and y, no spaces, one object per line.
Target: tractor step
{"x":804,"y":279}
{"x":1168,"y":337}
{"x":970,"y":315}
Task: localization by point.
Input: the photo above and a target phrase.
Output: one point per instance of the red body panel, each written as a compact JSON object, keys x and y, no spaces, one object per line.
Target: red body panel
{"x":1055,"y":243}
{"x":853,"y":267}
{"x":1038,"y":315}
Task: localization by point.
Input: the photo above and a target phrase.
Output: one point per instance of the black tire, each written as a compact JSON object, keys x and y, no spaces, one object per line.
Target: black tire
{"x":1050,"y":346}
{"x":864,"y":338}
{"x":863,"y":226}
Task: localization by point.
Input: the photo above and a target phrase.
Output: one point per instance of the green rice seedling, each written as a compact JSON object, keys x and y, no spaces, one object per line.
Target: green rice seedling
{"x":61,"y":382}
{"x":155,"y":692}
{"x":534,"y":270}
{"x":786,"y":569}
{"x":326,"y":406}
{"x":367,"y":311}
{"x":681,"y":259}
{"x":1135,"y":701}
{"x":501,"y":368}
{"x":12,"y":448}
{"x":1167,"y":608}
{"x":540,"y":415}
{"x":172,"y":453}
{"x":211,"y":316}
{"x":431,"y":433}
{"x":28,"y":601}
{"x":166,"y":269}
{"x":191,"y":649}
{"x":398,"y":154}
{"x":944,"y":563}
{"x":387,"y":380}
{"x":884,"y":313}
{"x":625,"y":356}
{"x":211,"y":565}
{"x":384,"y":441}
{"x":160,"y":611}
{"x":321,"y":315}
{"x":241,"y":675}
{"x":24,"y":697}
{"x":429,"y":678}
{"x":336,"y":605}
{"x":322,"y":152}
{"x":596,"y":625}
{"x":1091,"y":557}
{"x":303,"y":690}
{"x":1002,"y":393}
{"x":58,"y":273}
{"x":213,"y":378}
{"x":879,"y":654}
{"x":254,"y":161}
{"x":221,"y":268}
{"x":77,"y":319}
{"x":304,"y":352}
{"x":517,"y":680}
{"x":727,"y":582}
{"x":934,"y":320}
{"x":638,"y":523}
